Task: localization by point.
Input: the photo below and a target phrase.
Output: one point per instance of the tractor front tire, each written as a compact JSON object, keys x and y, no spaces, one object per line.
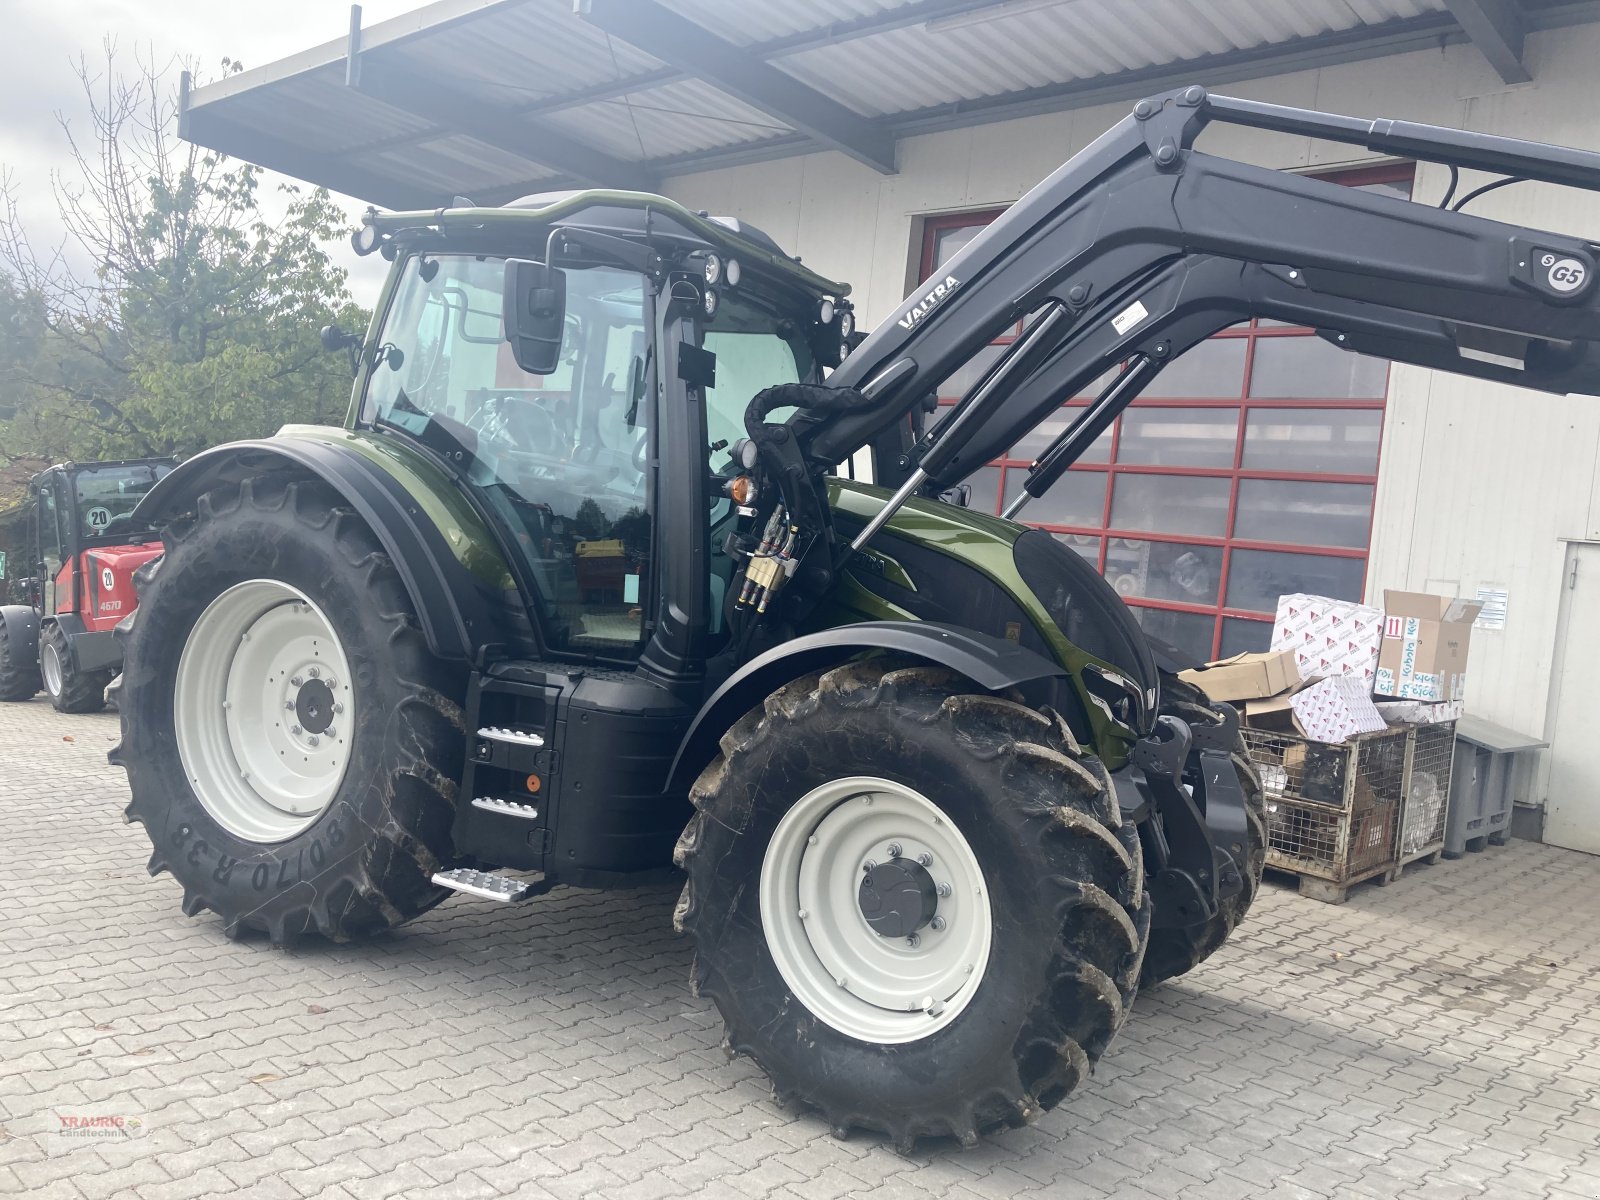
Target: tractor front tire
{"x":914,"y":903}
{"x":69,"y":689}
{"x":19,"y":673}
{"x":291,"y":744}
{"x":1176,"y":951}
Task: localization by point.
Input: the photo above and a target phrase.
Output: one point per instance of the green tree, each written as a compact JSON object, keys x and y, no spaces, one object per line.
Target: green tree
{"x":179,"y":310}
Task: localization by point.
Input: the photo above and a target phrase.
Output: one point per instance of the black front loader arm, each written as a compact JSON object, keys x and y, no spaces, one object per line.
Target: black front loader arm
{"x":1142,"y":246}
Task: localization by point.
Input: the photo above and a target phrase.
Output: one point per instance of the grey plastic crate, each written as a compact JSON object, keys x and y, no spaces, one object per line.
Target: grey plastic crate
{"x":1491,"y":763}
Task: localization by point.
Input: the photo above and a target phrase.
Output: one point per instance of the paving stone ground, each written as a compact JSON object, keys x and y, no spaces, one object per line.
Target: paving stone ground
{"x":1439,"y":1037}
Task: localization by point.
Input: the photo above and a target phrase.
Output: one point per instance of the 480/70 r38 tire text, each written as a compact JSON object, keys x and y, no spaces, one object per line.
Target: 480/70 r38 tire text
{"x":343,"y":845}
{"x":1063,"y":895}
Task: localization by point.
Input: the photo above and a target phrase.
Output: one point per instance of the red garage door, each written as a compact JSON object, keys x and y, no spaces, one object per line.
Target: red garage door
{"x":1246,"y":470}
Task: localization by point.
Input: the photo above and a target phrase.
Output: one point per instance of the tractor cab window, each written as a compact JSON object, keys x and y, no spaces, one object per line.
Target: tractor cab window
{"x":755,"y":348}
{"x":106,"y":496}
{"x":48,"y":542}
{"x":561,"y":458}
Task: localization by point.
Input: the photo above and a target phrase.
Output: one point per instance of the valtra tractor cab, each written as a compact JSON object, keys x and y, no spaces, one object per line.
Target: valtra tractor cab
{"x":83,"y":546}
{"x":577,"y":593}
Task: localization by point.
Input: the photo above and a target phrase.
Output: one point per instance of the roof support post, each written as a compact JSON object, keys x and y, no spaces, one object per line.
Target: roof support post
{"x":352,"y":49}
{"x":699,"y":52}
{"x":1496,"y":28}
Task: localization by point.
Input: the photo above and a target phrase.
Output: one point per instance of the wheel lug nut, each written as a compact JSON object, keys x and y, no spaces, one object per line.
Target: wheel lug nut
{"x":943,"y":889}
{"x":914,"y":940}
{"x":329,"y":732}
{"x":313,"y":672}
{"x":296,"y":680}
{"x":925,"y":859}
{"x":312,"y":739}
{"x":894,"y":849}
{"x":337,"y":707}
{"x":869,"y":866}
{"x":937,"y":924}
{"x":288,"y":706}
{"x":295,"y":729}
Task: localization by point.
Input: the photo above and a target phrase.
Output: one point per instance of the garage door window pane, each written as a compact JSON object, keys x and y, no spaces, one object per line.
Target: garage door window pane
{"x":1189,"y":632}
{"x":1030,"y":447}
{"x":1078,"y":498}
{"x":1328,"y":441}
{"x":1240,"y":636}
{"x":1210,"y":369}
{"x":1308,"y":514}
{"x":1295,"y":367}
{"x":1171,"y":504}
{"x":1256,"y":578}
{"x":1179,"y":437}
{"x":1164,"y":570}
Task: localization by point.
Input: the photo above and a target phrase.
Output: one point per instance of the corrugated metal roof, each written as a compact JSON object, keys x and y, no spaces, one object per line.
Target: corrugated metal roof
{"x":495,"y":97}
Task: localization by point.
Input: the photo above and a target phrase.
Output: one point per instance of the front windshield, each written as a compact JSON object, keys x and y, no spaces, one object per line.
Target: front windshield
{"x":560,"y":458}
{"x":105,"y":494}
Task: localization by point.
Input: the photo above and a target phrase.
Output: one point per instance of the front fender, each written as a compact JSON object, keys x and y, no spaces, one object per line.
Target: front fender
{"x":454,"y":606}
{"x":990,"y":662}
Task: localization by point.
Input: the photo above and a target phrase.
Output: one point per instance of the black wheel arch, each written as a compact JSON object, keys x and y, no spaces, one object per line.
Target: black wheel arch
{"x":22,"y":627}
{"x":992,"y":663}
{"x":456,"y":613}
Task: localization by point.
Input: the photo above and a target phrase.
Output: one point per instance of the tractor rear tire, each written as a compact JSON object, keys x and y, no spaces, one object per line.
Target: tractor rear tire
{"x":1047,"y":913}
{"x":69,"y":689}
{"x":1175,"y":951}
{"x":324,"y":636}
{"x":19,"y":674}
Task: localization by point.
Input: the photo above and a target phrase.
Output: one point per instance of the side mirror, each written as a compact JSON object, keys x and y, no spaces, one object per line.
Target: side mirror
{"x":534,"y":309}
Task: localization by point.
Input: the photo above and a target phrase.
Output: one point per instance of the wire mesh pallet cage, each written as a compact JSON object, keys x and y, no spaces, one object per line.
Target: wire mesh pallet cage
{"x":1429,"y":757}
{"x":1333,"y":812}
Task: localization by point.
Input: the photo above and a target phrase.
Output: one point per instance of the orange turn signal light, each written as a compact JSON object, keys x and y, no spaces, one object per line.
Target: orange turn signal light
{"x":533,"y":784}
{"x":741,"y":489}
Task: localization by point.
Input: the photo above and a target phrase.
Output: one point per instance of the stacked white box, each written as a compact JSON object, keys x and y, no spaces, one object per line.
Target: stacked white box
{"x":1329,"y":637}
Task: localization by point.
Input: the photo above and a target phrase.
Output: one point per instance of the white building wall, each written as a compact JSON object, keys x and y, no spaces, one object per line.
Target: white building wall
{"x":1478,"y":482}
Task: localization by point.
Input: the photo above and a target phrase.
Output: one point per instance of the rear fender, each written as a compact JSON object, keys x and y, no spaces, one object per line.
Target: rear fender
{"x":992,"y":663}
{"x":456,"y":614}
{"x":22,"y":630}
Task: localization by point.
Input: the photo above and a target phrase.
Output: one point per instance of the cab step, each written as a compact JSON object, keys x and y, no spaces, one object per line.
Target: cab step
{"x":514,"y":737}
{"x":504,"y":888}
{"x":509,"y":808}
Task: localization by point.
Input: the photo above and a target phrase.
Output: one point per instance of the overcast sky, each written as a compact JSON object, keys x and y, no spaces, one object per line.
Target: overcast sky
{"x":44,"y":38}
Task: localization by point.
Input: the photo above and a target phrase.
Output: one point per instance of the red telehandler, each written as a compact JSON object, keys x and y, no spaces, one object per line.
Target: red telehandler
{"x":83,"y":546}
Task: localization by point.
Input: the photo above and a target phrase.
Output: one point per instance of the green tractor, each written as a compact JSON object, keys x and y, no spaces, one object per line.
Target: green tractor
{"x":580,"y":591}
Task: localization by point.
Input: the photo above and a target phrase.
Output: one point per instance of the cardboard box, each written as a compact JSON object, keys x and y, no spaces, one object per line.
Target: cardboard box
{"x":1329,"y":637}
{"x":1424,"y":651}
{"x":1336,"y":709}
{"x":1246,"y":676}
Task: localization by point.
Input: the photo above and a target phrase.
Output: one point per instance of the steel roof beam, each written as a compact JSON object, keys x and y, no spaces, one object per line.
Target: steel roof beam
{"x":690,"y":47}
{"x":1497,"y":29}
{"x":456,"y":112}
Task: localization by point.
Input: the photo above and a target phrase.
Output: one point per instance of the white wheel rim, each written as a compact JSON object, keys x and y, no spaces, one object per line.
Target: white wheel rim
{"x":264,"y":710}
{"x":50,"y":668}
{"x":877,"y":989}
